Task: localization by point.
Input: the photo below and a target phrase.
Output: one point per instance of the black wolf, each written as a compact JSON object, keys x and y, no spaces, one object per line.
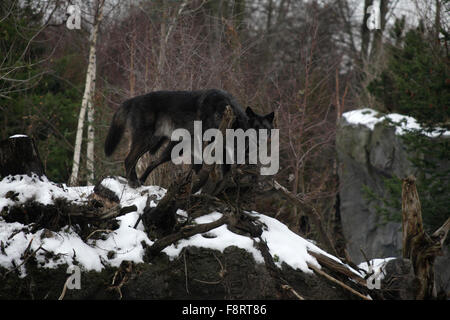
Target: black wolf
{"x":153,"y":117}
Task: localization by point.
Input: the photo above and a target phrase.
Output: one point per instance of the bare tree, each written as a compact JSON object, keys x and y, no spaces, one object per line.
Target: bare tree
{"x":86,"y":103}
{"x":170,"y":53}
{"x":364,"y":44}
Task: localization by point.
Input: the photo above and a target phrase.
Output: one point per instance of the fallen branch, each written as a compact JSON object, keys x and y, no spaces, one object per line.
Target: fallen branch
{"x":161,"y":219}
{"x":441,"y":234}
{"x":185,"y":232}
{"x":289,"y":288}
{"x":63,"y":293}
{"x":98,"y":230}
{"x":124,"y":271}
{"x":26,"y":257}
{"x":313,"y":215}
{"x":185,"y":273}
{"x":62,"y":213}
{"x":274,"y":272}
{"x":337,"y":267}
{"x":340,"y":283}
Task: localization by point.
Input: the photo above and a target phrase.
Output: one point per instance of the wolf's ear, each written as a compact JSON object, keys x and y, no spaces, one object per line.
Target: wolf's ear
{"x":250,"y":112}
{"x":270,"y":116}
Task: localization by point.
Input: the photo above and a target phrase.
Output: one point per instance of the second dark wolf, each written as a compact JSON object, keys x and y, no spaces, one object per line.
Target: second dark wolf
{"x":153,"y":117}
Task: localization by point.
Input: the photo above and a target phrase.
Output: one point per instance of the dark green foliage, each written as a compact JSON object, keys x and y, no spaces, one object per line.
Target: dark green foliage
{"x":40,"y":94}
{"x":416,"y":82}
{"x":433,"y":179}
{"x":48,"y":113}
{"x":433,"y":182}
{"x":17,"y":26}
{"x":417,"y":79}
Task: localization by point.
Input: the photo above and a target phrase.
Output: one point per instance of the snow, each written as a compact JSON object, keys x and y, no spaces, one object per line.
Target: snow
{"x":20,"y":240}
{"x":377,"y":267}
{"x":366,"y":117}
{"x":66,"y":244}
{"x":126,"y":242}
{"x":404,"y":124}
{"x":39,"y":189}
{"x":216,"y":239}
{"x":18,"y":136}
{"x":288,"y":246}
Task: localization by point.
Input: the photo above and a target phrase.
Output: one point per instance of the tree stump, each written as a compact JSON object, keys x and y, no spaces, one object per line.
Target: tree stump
{"x":418,"y":246}
{"x":19,"y":155}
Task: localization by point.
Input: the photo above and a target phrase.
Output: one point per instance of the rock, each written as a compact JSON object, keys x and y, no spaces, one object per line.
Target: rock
{"x":399,"y":282}
{"x":366,"y":157}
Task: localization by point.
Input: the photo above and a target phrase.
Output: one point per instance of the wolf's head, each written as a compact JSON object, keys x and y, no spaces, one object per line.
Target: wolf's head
{"x":256,"y":121}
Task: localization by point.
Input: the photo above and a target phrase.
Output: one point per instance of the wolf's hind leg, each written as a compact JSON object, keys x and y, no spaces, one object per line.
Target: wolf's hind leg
{"x":137,"y":150}
{"x":157,"y":143}
{"x":163,"y":158}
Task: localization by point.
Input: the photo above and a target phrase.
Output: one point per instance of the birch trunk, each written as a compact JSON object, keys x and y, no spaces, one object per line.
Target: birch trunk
{"x":91,"y":132}
{"x":87,"y":96}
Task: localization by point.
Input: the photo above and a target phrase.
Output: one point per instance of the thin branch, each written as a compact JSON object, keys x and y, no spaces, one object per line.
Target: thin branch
{"x":340,"y":283}
{"x":295,"y":293}
{"x":186,"y":232}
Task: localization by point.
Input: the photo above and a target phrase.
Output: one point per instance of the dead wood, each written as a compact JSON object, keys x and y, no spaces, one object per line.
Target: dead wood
{"x":97,"y":213}
{"x":418,"y":246}
{"x":281,"y":284}
{"x":19,"y":155}
{"x":338,"y":282}
{"x":160,"y":220}
{"x":337,"y":267}
{"x":210,"y":179}
{"x":186,"y":232}
{"x":312,"y":214}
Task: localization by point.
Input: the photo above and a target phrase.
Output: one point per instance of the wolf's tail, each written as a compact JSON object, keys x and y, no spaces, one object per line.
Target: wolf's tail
{"x":116,"y":129}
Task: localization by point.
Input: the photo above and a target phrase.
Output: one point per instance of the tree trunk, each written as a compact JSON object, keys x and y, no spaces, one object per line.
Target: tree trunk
{"x":365,"y":32}
{"x":418,"y":246}
{"x":91,"y":131}
{"x":132,"y":79}
{"x":378,"y":36}
{"x":90,"y":143}
{"x":87,"y":96}
{"x":437,"y":19}
{"x":19,"y":155}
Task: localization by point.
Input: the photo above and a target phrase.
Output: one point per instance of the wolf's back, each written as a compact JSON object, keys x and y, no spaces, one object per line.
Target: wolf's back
{"x":212,"y":98}
{"x":116,"y":129}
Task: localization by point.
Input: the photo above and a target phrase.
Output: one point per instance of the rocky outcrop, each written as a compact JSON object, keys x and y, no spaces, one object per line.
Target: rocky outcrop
{"x":368,"y":154}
